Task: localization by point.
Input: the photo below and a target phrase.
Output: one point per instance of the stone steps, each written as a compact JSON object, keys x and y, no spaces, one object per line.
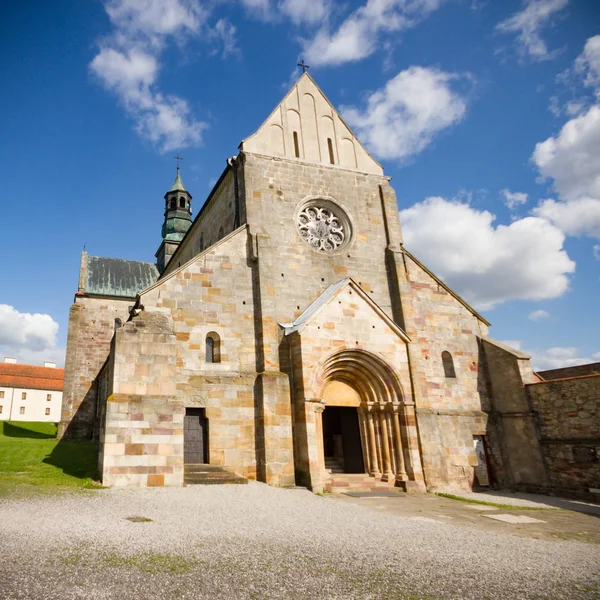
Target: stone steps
{"x":202,"y":474}
{"x":356,"y":482}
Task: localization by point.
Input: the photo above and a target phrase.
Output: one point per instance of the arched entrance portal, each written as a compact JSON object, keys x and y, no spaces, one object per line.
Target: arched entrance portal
{"x":362,"y":422}
{"x":342,"y":443}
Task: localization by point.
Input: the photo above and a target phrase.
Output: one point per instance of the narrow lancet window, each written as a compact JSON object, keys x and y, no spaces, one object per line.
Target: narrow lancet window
{"x":213,"y":348}
{"x":448,"y":363}
{"x":330,"y":147}
{"x":182,"y":202}
{"x":296,"y":145}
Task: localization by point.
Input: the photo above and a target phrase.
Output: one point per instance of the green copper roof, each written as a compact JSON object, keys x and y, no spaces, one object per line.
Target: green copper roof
{"x":117,"y":277}
{"x":178,"y":184}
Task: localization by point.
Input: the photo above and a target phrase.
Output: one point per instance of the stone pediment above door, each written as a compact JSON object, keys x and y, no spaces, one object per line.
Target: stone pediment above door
{"x":345,"y":315}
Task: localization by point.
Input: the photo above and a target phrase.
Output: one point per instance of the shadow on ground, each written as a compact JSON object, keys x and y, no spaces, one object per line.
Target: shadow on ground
{"x":78,"y":459}
{"x":16,"y":431}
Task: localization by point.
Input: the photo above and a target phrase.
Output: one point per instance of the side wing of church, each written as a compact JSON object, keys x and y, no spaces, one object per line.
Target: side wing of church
{"x":286,"y":334}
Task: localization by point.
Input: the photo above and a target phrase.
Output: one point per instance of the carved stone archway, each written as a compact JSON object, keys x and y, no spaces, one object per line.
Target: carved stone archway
{"x":382,"y":412}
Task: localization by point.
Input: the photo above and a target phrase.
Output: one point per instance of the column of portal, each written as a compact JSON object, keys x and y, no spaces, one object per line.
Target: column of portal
{"x":319,"y":407}
{"x":385,"y":448}
{"x":400,"y":469}
{"x":364,"y":434}
{"x":372,"y":445}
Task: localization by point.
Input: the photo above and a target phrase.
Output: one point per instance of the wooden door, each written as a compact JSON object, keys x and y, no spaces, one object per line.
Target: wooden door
{"x":194,"y":436}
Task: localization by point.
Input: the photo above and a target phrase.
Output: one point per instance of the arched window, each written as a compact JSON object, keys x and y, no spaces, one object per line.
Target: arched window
{"x":182,"y":202}
{"x":330,"y":147}
{"x":118,"y":323}
{"x":296,"y":145}
{"x":448,"y":364}
{"x":221,"y":232}
{"x":201,"y":242}
{"x":213,"y":348}
{"x":171,"y":203}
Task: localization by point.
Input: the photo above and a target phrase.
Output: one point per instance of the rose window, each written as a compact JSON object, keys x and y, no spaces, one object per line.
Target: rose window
{"x":321,"y":228}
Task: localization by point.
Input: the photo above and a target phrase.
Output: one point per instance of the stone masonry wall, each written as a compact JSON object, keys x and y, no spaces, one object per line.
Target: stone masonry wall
{"x":569,"y":422}
{"x":293,"y":275}
{"x":91,"y":328}
{"x":450,"y":410}
{"x":141,"y":442}
{"x":347,"y":323}
{"x":248,"y":411}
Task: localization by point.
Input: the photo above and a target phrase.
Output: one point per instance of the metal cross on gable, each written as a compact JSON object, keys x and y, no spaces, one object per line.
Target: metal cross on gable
{"x":303,"y":65}
{"x":178,"y":158}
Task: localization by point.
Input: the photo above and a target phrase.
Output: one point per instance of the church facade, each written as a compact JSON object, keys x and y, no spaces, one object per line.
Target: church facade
{"x":286,"y":334}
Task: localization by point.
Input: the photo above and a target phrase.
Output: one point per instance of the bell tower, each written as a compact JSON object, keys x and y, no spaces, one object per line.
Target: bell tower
{"x":178,"y":218}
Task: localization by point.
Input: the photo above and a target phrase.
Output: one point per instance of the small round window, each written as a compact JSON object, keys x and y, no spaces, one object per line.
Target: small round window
{"x":323,"y":225}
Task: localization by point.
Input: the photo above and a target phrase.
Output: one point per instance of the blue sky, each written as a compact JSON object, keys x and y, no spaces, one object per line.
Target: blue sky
{"x":486,"y":115}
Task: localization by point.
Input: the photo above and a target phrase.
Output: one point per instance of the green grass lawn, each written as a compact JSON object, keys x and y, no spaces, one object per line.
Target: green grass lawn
{"x":32,"y":459}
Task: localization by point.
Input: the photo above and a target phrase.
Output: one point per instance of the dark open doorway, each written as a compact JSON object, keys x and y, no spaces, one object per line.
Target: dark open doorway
{"x":341,"y":438}
{"x":195,"y":436}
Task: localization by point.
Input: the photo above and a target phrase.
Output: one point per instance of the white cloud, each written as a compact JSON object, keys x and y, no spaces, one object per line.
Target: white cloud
{"x":225,"y":32}
{"x":305,"y":11}
{"x":528,"y":23}
{"x":156,"y":18}
{"x":588,"y":62}
{"x":574,"y":217}
{"x":513,"y":199}
{"x":597,"y":251}
{"x":128,"y":64}
{"x":538,"y":315}
{"x":557,"y":358}
{"x":402,"y":118}
{"x":357,"y":37}
{"x":572,"y":158}
{"x":596,"y":355}
{"x":30,"y":338}
{"x":487,"y":264}
{"x":299,"y":12}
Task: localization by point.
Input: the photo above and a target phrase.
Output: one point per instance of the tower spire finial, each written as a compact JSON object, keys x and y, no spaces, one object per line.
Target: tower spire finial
{"x":178,"y":158}
{"x":303,"y":65}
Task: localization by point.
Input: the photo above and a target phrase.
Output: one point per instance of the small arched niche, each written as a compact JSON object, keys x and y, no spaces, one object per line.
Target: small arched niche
{"x":448,"y":362}
{"x":213,"y":348}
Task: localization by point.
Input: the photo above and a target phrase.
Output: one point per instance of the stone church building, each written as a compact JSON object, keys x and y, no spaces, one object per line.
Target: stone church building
{"x":287,"y":335}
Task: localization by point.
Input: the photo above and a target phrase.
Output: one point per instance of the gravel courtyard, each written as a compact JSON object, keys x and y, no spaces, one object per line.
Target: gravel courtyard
{"x":259,"y":542}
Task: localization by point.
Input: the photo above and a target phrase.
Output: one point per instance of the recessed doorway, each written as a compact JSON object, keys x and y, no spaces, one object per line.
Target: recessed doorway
{"x":341,"y":439}
{"x":195,"y":436}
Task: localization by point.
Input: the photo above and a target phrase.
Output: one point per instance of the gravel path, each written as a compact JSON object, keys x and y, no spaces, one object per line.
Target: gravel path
{"x":260,"y":542}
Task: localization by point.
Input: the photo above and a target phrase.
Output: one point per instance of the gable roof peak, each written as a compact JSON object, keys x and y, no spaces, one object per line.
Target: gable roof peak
{"x":305,"y":126}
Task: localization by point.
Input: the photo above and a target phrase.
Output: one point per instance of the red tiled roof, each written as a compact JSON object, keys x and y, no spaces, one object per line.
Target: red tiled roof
{"x":33,"y":378}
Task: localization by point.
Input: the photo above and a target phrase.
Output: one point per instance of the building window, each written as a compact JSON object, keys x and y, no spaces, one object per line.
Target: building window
{"x":1,"y":393}
{"x":330,"y":147}
{"x":448,"y":365}
{"x":48,"y":397}
{"x":23,"y":395}
{"x":221,"y":232}
{"x":181,"y":202}
{"x":296,"y":145}
{"x":213,"y":348}
{"x":22,"y":410}
{"x":118,"y":323}
{"x":172,"y":203}
{"x":0,"y":409}
{"x":47,"y":411}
